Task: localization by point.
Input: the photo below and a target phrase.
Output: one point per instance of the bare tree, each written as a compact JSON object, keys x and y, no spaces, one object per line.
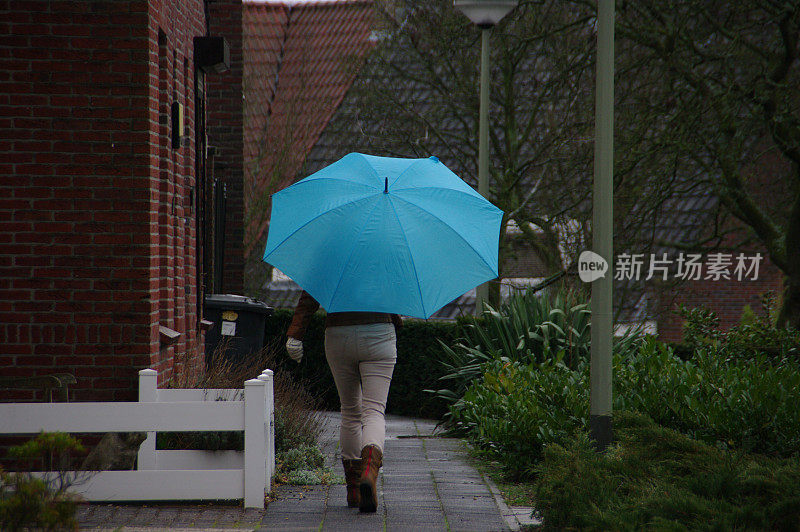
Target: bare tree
{"x":418,"y":95}
{"x":725,"y":91}
{"x":706,"y":113}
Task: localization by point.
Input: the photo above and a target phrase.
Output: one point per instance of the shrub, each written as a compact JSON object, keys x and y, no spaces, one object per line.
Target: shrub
{"x":41,"y":503}
{"x":656,"y":478}
{"x":745,"y":403}
{"x":527,"y":328}
{"x":296,"y":421}
{"x":515,"y":409}
{"x":303,"y":457}
{"x":304,"y":465}
{"x":755,"y":335}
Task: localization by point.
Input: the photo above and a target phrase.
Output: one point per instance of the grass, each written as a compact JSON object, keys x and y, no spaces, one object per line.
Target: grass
{"x":656,"y":478}
{"x":514,"y":493}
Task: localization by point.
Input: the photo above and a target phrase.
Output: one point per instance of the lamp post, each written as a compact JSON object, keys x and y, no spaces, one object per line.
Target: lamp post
{"x":485,"y":14}
{"x":602,"y":230}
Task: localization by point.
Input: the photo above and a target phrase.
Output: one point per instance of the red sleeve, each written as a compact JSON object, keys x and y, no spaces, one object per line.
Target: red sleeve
{"x":306,"y":307}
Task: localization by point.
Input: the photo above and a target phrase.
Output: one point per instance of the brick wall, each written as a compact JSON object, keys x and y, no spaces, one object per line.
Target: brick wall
{"x":226,"y":134}
{"x":727,"y":298}
{"x":174,"y":191}
{"x":97,"y":223}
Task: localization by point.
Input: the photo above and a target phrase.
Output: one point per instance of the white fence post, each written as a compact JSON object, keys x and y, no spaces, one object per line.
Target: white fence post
{"x":148,"y":393}
{"x":255,"y":443}
{"x":268,"y":378}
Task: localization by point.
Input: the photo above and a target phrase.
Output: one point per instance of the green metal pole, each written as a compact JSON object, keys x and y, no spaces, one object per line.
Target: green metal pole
{"x":482,"y":293}
{"x":602,"y":229}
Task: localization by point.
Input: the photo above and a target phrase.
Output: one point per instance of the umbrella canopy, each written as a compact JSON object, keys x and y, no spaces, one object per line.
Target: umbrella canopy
{"x":384,"y":234}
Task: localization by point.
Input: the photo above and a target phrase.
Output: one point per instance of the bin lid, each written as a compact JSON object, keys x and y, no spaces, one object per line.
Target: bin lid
{"x":237,"y":302}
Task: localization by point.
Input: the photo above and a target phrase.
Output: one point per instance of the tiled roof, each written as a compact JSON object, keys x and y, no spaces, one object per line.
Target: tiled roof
{"x":299,"y":61}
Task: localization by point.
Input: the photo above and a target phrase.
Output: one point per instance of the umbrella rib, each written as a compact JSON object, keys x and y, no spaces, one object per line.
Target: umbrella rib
{"x":442,"y":188}
{"x":312,"y":220}
{"x":337,"y":179}
{"x":406,"y":169}
{"x":350,"y":256}
{"x":411,"y":255}
{"x":446,"y":225}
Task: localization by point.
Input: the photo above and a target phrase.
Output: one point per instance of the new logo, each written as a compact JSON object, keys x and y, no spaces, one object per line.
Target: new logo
{"x":591,"y":266}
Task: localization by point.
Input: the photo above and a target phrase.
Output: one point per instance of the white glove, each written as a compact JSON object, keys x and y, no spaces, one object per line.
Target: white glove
{"x":295,"y":349}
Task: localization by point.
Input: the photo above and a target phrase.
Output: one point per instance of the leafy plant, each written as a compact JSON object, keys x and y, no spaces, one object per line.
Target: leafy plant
{"x":515,"y":409}
{"x":755,"y":334}
{"x":700,"y":326}
{"x":43,"y":503}
{"x":749,"y":404}
{"x":527,"y":328}
{"x":304,"y":465}
{"x":303,"y":457}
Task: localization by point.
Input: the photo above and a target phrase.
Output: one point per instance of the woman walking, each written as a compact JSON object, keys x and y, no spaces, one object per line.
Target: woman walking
{"x":361,"y":350}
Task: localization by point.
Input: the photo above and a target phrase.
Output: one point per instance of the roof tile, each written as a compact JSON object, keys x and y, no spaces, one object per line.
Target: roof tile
{"x":299,"y":61}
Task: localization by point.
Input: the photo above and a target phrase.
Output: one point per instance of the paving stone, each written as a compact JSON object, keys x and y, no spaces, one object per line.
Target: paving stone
{"x":354,"y":521}
{"x":475,"y":521}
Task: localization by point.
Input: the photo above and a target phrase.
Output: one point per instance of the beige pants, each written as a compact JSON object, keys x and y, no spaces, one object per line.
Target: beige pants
{"x":361,"y":358}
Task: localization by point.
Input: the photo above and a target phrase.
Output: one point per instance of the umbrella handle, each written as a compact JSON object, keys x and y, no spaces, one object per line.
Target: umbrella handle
{"x":386,"y":185}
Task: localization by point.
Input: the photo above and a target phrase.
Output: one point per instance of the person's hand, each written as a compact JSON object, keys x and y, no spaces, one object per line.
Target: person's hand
{"x":295,"y":349}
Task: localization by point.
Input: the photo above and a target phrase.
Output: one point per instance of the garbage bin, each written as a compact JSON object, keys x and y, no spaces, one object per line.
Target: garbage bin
{"x":239,"y":324}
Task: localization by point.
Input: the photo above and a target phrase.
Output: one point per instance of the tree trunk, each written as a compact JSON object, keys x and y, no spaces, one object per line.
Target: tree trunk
{"x":494,"y":293}
{"x":789,"y":316}
{"x":790,"y":310}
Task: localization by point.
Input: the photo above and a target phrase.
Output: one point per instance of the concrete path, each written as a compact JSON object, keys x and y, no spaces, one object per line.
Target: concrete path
{"x":425,"y":484}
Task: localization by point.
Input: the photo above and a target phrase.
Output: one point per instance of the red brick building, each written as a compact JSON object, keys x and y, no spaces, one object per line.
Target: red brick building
{"x":727,"y":294}
{"x":104,"y":190}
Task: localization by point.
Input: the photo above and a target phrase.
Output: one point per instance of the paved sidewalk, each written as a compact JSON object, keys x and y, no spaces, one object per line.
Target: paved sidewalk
{"x":425,"y":484}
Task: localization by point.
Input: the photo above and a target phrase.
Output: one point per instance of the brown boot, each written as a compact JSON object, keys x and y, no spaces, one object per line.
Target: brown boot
{"x":371,"y":461}
{"x":352,"y":475}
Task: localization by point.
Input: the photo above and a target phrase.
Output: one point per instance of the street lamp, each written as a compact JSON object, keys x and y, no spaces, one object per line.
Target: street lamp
{"x":485,"y":14}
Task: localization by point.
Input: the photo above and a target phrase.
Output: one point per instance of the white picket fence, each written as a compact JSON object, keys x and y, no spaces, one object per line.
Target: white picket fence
{"x":170,"y":475}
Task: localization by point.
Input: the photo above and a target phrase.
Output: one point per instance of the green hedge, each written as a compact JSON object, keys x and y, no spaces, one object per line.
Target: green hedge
{"x":418,"y":367}
{"x":514,"y":410}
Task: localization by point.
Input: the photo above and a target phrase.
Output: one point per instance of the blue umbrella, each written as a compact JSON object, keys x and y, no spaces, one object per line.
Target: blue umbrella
{"x":384,"y":234}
